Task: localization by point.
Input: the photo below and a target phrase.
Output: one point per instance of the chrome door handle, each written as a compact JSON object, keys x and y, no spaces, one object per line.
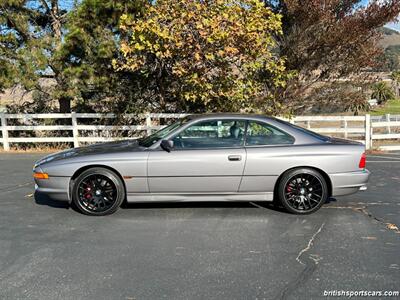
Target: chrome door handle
{"x":235,"y":157}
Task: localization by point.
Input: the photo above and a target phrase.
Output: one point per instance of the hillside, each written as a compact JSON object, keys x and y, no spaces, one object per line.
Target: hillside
{"x":390,"y":60}
{"x":390,"y":37}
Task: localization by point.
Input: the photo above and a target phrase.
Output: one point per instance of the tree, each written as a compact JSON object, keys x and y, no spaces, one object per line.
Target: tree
{"x":73,"y":49}
{"x":382,"y":92}
{"x":327,"y":40}
{"x":356,"y":103}
{"x":30,"y":37}
{"x":395,"y":76}
{"x":204,"y":55}
{"x":91,"y":43}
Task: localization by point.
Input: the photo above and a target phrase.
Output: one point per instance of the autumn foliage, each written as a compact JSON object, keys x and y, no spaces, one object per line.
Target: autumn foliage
{"x":209,"y":55}
{"x":324,"y":41}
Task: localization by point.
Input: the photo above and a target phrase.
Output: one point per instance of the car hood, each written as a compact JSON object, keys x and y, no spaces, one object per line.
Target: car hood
{"x":103,"y":148}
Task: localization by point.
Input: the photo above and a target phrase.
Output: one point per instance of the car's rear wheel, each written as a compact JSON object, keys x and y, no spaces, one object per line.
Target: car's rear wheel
{"x":98,"y":192}
{"x":302,"y":191}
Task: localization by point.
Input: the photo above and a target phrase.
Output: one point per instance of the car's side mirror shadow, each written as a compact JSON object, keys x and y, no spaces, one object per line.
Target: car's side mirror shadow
{"x":167,"y":145}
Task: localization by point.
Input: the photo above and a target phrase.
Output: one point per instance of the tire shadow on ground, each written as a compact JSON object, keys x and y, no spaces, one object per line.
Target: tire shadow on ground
{"x":43,"y":199}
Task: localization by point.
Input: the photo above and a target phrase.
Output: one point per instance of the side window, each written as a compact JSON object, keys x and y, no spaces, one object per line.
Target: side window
{"x":212,"y":134}
{"x":264,"y":134}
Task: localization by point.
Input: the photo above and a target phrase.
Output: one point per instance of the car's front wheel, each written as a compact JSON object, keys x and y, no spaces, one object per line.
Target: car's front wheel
{"x":98,"y":192}
{"x":302,"y":191}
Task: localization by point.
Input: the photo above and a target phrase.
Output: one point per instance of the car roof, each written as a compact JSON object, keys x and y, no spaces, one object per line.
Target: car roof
{"x":301,"y":135}
{"x":229,"y":115}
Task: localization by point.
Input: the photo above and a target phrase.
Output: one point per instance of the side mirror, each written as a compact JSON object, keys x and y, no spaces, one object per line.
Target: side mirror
{"x":167,"y":145}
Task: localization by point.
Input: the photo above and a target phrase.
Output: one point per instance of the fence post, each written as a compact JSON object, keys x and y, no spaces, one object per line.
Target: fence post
{"x":388,"y":120}
{"x":4,"y":132}
{"x":368,"y":140}
{"x":148,"y":123}
{"x":75,"y":131}
{"x":345,"y":129}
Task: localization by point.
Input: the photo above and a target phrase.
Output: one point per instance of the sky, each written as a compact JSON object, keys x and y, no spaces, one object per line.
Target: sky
{"x":395,"y":26}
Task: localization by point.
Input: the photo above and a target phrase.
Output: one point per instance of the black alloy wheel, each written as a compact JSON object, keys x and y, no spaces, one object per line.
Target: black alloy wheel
{"x":302,"y":191}
{"x":98,"y":192}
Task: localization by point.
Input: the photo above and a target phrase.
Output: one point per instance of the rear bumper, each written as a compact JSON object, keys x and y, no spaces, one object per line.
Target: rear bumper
{"x":349,"y":182}
{"x":57,"y":188}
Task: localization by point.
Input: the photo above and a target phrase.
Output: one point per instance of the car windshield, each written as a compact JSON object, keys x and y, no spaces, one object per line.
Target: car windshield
{"x":162,"y":133}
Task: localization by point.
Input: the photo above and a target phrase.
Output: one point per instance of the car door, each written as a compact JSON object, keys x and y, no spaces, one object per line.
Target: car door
{"x":268,"y":149}
{"x":208,"y":157}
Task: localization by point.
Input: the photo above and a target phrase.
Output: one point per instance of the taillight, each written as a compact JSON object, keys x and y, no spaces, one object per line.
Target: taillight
{"x":362,"y":163}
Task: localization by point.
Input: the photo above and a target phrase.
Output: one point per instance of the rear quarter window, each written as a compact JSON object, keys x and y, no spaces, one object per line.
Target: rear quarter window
{"x":315,"y":135}
{"x":263,"y":134}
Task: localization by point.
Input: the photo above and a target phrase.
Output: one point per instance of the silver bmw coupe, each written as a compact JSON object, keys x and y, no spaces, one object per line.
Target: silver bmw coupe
{"x":221,"y":157}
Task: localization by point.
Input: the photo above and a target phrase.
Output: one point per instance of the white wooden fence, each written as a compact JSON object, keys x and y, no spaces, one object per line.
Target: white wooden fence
{"x":360,"y":128}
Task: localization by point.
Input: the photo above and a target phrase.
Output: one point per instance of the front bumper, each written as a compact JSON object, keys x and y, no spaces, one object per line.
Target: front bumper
{"x":57,"y":188}
{"x":349,"y":182}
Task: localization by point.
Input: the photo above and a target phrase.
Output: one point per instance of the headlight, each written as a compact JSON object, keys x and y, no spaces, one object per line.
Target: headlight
{"x":43,"y":160}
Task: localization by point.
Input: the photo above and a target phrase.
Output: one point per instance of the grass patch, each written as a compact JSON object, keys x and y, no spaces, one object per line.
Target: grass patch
{"x":391,"y":107}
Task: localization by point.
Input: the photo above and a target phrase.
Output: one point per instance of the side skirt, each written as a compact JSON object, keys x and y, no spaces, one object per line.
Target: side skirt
{"x":171,"y":197}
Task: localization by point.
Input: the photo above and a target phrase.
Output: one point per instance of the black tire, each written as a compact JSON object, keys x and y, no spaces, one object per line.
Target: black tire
{"x":302,"y":191}
{"x":98,"y":192}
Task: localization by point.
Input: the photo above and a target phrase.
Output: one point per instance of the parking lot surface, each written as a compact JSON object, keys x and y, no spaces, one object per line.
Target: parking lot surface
{"x":197,"y":250}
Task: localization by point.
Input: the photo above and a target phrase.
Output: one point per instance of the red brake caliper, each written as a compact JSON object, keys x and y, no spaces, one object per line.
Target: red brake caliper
{"x":88,"y":193}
